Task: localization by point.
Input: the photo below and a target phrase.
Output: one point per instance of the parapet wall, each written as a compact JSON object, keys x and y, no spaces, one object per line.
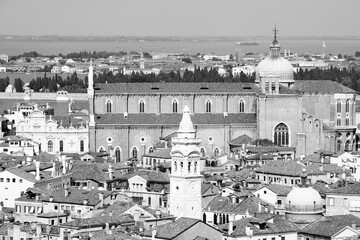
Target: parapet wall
{"x":43,"y":96}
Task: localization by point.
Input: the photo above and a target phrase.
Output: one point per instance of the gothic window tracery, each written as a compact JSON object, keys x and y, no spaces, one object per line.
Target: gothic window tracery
{"x":281,"y":135}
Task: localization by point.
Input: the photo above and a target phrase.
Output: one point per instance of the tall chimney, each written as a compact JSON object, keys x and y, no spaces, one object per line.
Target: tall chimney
{"x":66,"y":190}
{"x":153,"y":234}
{"x":231,"y":223}
{"x":137,"y":215}
{"x":101,"y":198}
{"x":37,"y":165}
{"x":157,"y":213}
{"x":107,"y":228}
{"x":111,"y":172}
{"x":53,"y":172}
{"x":63,"y":160}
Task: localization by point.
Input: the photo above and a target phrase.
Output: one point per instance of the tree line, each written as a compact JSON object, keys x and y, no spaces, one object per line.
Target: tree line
{"x":73,"y":83}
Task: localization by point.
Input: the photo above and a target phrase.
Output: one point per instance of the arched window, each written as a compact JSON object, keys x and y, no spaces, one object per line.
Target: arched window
{"x":241,"y":106}
{"x":195,"y":166}
{"x":175,"y":106}
{"x":338,"y":121}
{"x":175,"y":165}
{"x":50,"y":146}
{"x":281,"y":135}
{"x":338,"y":106}
{"x":347,"y":121}
{"x":61,"y":146}
{"x":117,"y":155}
{"x":134,"y":152}
{"x":81,"y":145}
{"x":216,"y":152}
{"x":108,"y":106}
{"x":141,"y":106}
{"x":347,"y":145}
{"x":189,"y":166}
{"x":338,"y":147}
{"x":347,"y":106}
{"x":208,"y":106}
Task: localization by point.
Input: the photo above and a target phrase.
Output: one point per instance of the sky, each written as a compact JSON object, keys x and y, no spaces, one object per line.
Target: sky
{"x":180,"y":17}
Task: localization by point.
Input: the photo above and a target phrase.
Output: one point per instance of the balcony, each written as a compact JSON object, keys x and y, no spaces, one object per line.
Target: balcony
{"x":280,"y":206}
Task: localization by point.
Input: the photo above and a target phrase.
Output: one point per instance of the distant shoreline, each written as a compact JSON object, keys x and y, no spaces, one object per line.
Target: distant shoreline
{"x":167,"y":38}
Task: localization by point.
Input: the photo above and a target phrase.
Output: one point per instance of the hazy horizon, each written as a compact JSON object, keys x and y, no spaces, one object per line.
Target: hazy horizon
{"x":166,"y":18}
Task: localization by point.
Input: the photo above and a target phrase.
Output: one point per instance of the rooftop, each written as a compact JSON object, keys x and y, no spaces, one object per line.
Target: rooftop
{"x":330,"y":225}
{"x":175,"y":118}
{"x":188,"y":88}
{"x":320,"y":86}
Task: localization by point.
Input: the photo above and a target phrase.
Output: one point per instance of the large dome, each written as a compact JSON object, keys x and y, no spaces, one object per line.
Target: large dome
{"x":275,"y":65}
{"x":304,"y":200}
{"x":278,"y":66}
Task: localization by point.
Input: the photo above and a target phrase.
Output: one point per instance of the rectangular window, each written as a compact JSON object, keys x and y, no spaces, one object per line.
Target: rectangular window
{"x":282,"y":238}
{"x":331,"y":201}
{"x":149,"y":201}
{"x":345,"y":202}
{"x":7,"y":179}
{"x":18,"y":209}
{"x":72,"y":208}
{"x":55,"y":207}
{"x":14,"y":180}
{"x":21,"y":181}
{"x":1,"y":179}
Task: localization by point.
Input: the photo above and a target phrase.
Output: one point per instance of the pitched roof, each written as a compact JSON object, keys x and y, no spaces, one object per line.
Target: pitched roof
{"x":320,"y":86}
{"x":101,"y":220}
{"x":173,"y":87}
{"x":22,"y":174}
{"x":94,"y":171}
{"x":76,"y":196}
{"x":174,"y":119}
{"x":150,"y":176}
{"x":173,"y":229}
{"x":160,"y":153}
{"x":224,"y":204}
{"x":294,"y":168}
{"x":330,"y":225}
{"x":278,"y":226}
{"x":243,"y":139}
{"x":280,"y":190}
{"x":351,"y":189}
{"x":269,"y":149}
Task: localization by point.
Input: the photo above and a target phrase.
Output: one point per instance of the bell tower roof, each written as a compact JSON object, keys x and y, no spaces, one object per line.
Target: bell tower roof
{"x":186,"y":125}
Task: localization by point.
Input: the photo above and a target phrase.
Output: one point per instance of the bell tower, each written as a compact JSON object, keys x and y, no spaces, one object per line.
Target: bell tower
{"x":91,"y":94}
{"x":185,"y":177}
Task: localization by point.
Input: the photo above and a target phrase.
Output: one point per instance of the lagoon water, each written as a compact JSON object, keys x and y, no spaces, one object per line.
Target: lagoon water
{"x":54,"y":47}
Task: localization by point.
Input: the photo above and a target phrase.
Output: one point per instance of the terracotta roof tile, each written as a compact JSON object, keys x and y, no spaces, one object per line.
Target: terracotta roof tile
{"x":173,"y":229}
{"x":329,"y":225}
{"x":174,"y":119}
{"x":320,"y":86}
{"x":188,"y":88}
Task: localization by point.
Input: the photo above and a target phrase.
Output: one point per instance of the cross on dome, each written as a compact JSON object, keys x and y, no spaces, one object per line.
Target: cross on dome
{"x":275,"y":31}
{"x":186,"y":125}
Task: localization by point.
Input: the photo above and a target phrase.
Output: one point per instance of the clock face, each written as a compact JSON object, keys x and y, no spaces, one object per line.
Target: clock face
{"x":193,"y":188}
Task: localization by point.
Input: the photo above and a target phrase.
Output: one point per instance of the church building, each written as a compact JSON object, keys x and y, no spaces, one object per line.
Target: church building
{"x":128,"y":119}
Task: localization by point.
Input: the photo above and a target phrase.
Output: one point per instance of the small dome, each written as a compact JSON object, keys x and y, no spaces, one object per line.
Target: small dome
{"x":304,"y":200}
{"x":275,"y":66}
